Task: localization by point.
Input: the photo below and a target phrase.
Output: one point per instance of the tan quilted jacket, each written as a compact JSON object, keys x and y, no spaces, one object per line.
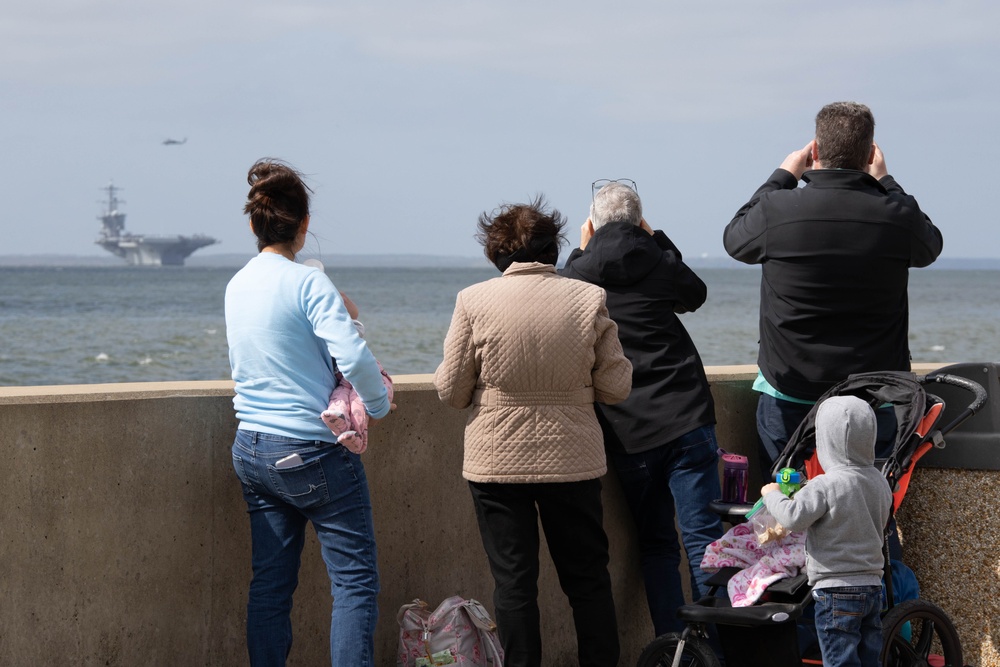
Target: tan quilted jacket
{"x":530,"y":352}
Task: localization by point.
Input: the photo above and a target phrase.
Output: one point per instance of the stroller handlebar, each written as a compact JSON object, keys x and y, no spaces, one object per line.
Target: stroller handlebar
{"x":964,"y":383}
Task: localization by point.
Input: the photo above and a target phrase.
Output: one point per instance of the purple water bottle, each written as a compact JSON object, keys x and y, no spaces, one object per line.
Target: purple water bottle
{"x":735,"y":475}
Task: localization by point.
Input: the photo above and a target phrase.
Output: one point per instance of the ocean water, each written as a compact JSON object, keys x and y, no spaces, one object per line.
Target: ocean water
{"x":122,"y":324}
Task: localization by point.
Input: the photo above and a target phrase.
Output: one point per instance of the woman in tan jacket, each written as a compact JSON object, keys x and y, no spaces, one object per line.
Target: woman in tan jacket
{"x":531,"y":351}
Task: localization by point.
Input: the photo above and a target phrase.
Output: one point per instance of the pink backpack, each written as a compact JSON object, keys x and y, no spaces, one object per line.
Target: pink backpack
{"x":458,"y":632}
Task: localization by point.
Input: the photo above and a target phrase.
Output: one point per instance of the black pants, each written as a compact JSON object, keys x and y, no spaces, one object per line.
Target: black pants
{"x":572,"y":518}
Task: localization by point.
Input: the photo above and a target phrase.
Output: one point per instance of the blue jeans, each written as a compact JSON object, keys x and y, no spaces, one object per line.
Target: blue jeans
{"x":850,"y":630}
{"x":679,"y":477}
{"x":330,"y":490}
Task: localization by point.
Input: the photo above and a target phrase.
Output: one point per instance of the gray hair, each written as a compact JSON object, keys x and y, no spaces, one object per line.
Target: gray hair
{"x":615,"y":202}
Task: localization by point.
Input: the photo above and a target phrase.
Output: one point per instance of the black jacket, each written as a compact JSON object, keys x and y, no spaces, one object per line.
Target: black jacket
{"x":835,"y":259}
{"x":647,"y":283}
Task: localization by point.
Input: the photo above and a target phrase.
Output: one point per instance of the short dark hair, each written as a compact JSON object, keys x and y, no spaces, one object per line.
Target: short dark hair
{"x":278,"y":202}
{"x":521,"y":232}
{"x":845,"y":132}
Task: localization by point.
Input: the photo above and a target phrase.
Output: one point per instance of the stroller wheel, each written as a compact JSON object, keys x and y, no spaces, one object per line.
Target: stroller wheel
{"x":916,"y":632}
{"x":661,"y":651}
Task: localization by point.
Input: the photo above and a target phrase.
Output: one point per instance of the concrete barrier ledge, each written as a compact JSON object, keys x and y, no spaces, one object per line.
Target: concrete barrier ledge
{"x":75,"y":393}
{"x":414,"y":382}
{"x":124,"y":537}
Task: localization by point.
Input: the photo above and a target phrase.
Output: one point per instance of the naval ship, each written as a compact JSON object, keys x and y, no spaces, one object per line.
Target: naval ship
{"x":143,"y":249}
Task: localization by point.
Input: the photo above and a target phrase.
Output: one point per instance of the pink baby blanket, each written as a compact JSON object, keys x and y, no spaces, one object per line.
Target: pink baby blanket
{"x":762,"y":564}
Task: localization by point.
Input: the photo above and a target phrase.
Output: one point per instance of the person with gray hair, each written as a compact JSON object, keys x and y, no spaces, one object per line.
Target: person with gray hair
{"x":617,"y":203}
{"x":661,"y":439}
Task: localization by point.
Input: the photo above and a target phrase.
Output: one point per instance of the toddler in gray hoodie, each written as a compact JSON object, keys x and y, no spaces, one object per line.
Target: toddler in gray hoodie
{"x":844,"y":512}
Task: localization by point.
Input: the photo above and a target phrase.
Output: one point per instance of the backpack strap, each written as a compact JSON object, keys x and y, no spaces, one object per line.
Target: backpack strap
{"x":416,"y":605}
{"x":479,"y":615}
{"x":493,"y":648}
{"x":487,"y":631}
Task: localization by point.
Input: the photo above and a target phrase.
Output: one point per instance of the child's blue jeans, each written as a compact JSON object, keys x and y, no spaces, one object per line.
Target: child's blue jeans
{"x":848,"y":624}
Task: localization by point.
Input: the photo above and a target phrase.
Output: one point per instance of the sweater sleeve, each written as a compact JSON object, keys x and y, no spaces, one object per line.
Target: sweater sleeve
{"x":800,"y":511}
{"x":745,"y":236}
{"x":456,"y":377}
{"x":330,"y":320}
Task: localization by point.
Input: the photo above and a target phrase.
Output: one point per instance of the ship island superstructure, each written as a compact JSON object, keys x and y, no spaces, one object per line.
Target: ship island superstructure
{"x":143,"y":249}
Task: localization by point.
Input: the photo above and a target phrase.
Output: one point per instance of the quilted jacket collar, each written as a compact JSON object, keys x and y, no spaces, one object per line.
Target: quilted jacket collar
{"x":527,"y":268}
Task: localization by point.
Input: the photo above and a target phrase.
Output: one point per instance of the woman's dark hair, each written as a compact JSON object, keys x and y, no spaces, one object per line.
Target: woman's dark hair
{"x":521,"y":233}
{"x":278,"y":202}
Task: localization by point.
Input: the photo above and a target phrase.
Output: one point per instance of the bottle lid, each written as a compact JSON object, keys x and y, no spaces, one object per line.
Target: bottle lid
{"x":788,"y":476}
{"x":734,"y":461}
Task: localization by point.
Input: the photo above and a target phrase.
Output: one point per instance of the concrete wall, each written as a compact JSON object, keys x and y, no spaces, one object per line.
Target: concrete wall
{"x":123,"y":537}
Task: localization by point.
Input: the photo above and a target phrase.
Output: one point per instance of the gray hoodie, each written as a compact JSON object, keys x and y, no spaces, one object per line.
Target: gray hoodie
{"x":844,"y":510}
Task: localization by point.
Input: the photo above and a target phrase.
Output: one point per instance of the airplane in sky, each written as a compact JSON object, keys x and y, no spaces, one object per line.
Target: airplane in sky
{"x":175,"y":142}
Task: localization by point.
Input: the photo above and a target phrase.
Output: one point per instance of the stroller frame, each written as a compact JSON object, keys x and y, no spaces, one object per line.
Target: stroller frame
{"x":766,"y":633}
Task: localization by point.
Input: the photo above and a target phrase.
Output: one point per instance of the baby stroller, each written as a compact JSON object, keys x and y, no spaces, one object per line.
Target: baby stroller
{"x":916,"y":632}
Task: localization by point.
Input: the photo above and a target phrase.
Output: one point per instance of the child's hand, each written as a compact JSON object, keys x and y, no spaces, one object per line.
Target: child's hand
{"x":768,"y":488}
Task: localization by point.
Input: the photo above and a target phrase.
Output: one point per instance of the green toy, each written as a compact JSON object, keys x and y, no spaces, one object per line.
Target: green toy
{"x":789,"y":480}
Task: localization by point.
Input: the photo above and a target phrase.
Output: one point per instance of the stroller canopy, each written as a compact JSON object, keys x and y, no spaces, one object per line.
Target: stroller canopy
{"x":916,"y":413}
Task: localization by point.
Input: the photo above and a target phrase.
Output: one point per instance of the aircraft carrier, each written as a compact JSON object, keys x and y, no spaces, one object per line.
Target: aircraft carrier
{"x":143,"y":249}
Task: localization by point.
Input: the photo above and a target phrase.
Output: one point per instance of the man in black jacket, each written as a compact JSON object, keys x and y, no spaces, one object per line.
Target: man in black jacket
{"x":835,"y":259}
{"x":661,"y":439}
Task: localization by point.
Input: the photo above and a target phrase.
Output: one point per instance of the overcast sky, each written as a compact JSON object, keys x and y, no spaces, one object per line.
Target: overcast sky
{"x":411,"y":118}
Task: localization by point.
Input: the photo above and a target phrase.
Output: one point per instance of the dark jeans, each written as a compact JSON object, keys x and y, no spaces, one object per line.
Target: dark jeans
{"x":777,"y":421}
{"x":850,"y":631}
{"x":679,"y":478}
{"x":571,"y":514}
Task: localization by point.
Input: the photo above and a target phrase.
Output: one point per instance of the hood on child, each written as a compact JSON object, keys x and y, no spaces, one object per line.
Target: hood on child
{"x":845,"y":433}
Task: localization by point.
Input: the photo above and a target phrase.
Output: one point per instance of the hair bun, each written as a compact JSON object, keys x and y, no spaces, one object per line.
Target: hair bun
{"x":278,"y":202}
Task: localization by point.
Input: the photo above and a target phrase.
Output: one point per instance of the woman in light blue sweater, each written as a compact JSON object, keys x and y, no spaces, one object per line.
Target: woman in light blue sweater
{"x":285,"y":324}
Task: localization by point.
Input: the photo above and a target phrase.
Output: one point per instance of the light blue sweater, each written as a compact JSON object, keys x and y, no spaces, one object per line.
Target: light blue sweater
{"x":284,"y":322}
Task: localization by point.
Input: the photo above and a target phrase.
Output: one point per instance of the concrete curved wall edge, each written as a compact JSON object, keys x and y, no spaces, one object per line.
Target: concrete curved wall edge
{"x":124,"y":537}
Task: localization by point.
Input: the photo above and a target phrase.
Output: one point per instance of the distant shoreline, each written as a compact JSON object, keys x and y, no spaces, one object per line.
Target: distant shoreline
{"x":237,"y":260}
{"x":406,"y":261}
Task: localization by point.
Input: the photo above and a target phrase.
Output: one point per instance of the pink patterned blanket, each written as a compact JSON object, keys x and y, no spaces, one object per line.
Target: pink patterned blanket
{"x":763,"y":564}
